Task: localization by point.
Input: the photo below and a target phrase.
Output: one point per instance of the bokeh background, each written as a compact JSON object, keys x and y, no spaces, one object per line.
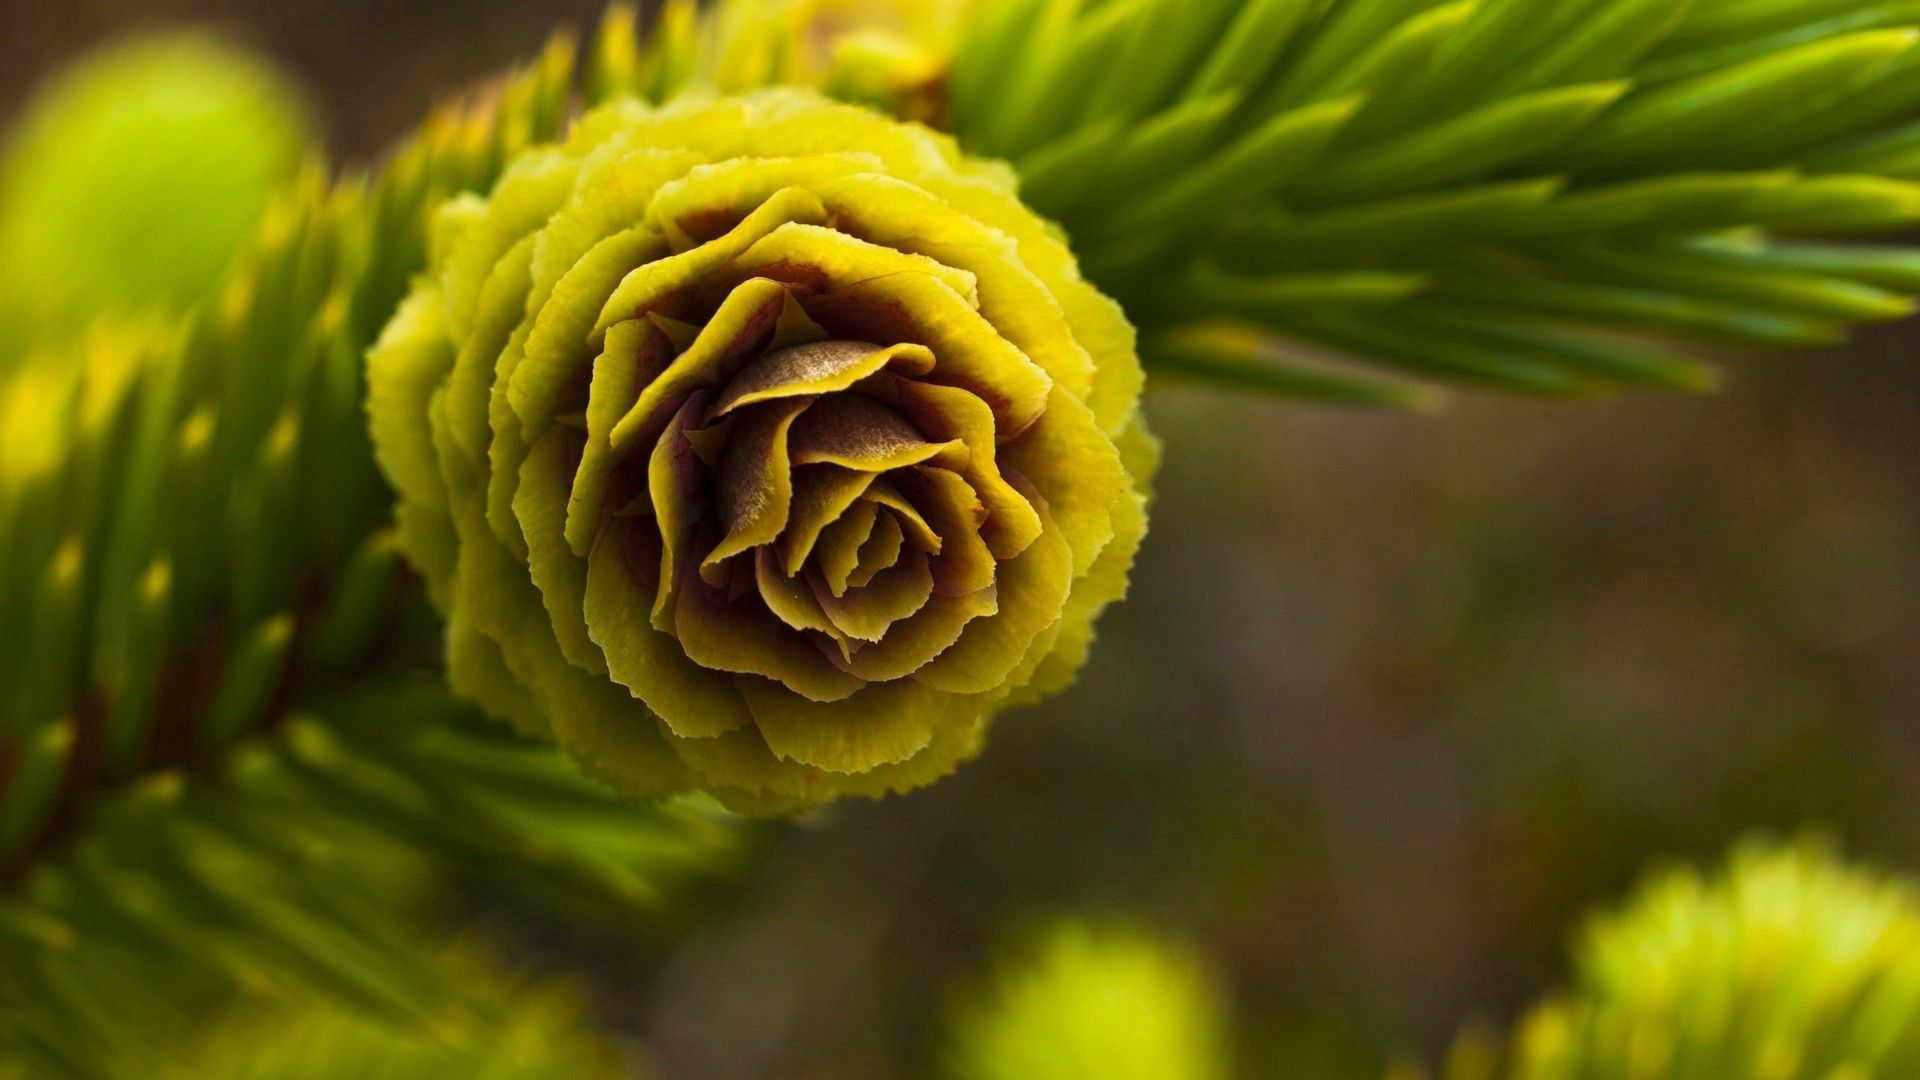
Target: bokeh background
{"x":1394,"y":700}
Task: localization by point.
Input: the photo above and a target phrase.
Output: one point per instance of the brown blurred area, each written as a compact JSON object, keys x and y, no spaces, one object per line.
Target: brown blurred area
{"x":375,"y":65}
{"x":1395,"y":698}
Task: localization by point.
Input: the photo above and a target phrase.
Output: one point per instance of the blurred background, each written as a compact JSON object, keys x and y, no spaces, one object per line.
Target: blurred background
{"x":1395,"y":697}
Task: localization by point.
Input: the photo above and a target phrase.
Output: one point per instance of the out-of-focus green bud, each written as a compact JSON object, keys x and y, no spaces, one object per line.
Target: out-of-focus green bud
{"x":1112,"y":1002}
{"x":135,"y":175}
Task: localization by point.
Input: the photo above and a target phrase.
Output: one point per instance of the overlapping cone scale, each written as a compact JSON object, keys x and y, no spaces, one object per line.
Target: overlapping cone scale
{"x":760,"y":445}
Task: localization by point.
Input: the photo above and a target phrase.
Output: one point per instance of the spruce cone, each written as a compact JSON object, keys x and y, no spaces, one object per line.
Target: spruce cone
{"x":760,"y":445}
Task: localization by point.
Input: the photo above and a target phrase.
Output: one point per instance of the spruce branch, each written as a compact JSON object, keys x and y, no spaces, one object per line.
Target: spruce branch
{"x":1543,"y":196}
{"x":196,"y":536}
{"x":308,"y":867}
{"x":203,"y":786}
{"x":193,"y":535}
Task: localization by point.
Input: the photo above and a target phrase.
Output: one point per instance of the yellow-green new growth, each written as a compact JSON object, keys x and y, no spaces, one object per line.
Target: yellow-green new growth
{"x":1786,"y":963}
{"x":1088,"y":1001}
{"x":762,"y":445}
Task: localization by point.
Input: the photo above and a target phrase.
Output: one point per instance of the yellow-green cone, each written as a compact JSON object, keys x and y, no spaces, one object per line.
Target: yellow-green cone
{"x":761,"y":445}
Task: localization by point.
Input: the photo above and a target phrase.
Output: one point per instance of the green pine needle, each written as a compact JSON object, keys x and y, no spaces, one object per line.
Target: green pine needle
{"x":202,"y":784}
{"x":1564,"y":176}
{"x":506,"y":1028}
{"x":306,"y":869}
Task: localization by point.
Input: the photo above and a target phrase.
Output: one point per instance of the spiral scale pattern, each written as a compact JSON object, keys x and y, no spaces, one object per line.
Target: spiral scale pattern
{"x":761,"y":445}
